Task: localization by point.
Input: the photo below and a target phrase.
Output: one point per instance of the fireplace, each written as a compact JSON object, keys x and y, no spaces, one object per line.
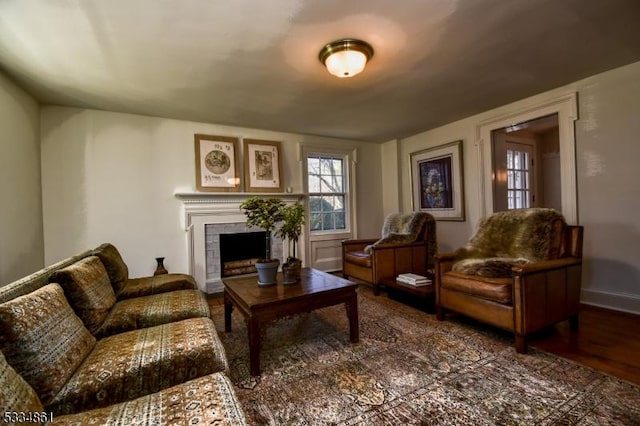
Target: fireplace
{"x":239,"y":252}
{"x":208,"y":218}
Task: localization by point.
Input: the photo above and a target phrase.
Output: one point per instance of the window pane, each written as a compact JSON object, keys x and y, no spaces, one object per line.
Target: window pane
{"x":326,"y":184}
{"x":314,"y":183}
{"x":315,"y":204}
{"x":313,"y":165}
{"x":337,"y":166}
{"x":338,"y":184}
{"x":326,"y":166}
{"x":341,"y":223}
{"x":315,"y":221}
{"x":327,"y":221}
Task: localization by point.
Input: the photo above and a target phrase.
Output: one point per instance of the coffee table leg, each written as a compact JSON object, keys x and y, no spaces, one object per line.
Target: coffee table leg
{"x":253,"y":327}
{"x":228,"y":308}
{"x":352,"y":314}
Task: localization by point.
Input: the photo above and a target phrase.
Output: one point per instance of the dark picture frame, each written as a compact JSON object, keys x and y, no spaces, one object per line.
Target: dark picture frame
{"x":217,"y":163}
{"x":262,"y":166}
{"x":437,"y":181}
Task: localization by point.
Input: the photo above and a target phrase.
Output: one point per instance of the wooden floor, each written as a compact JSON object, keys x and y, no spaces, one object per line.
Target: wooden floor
{"x":606,"y":340}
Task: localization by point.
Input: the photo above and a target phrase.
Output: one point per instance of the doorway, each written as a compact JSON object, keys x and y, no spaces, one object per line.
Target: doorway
{"x":526,"y":165}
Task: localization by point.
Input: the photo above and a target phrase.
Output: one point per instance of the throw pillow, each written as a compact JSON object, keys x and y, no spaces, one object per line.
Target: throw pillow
{"x":43,"y":339}
{"x":87,"y":286}
{"x":115,"y":266}
{"x":16,"y":396}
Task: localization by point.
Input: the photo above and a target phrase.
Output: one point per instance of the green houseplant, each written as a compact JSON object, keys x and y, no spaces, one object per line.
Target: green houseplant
{"x":290,"y":230}
{"x":264,"y":213}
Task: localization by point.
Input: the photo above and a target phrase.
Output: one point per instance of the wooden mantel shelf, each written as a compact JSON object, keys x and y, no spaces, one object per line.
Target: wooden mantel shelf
{"x":232,"y":197}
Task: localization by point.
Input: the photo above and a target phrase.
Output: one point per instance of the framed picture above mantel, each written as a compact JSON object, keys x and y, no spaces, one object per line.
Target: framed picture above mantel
{"x":262,"y":166}
{"x":437,"y":183}
{"x":217,"y":163}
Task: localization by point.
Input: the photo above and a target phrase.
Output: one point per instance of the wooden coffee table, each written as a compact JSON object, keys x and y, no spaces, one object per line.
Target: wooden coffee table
{"x":261,"y":305}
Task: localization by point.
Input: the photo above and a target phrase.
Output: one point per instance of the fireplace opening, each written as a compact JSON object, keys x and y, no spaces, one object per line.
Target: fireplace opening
{"x":239,"y":252}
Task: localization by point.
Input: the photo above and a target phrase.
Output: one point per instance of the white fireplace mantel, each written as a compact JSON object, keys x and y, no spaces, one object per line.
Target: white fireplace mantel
{"x":201,"y":209}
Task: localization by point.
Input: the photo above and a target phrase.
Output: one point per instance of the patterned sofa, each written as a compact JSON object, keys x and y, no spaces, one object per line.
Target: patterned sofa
{"x":169,"y":367}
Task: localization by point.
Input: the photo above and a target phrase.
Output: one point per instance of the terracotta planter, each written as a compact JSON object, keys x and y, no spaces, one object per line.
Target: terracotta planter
{"x":291,"y":271}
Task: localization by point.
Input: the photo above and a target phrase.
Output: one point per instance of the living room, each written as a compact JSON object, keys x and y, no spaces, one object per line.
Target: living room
{"x":75,"y":176}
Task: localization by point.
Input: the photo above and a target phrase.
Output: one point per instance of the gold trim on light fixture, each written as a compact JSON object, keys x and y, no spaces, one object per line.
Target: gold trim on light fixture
{"x":346,"y":57}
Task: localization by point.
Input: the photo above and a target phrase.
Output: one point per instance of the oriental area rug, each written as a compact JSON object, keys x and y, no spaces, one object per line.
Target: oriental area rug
{"x":410,"y":369}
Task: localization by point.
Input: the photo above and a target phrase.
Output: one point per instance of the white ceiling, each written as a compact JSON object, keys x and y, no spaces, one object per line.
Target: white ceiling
{"x":253,"y":63}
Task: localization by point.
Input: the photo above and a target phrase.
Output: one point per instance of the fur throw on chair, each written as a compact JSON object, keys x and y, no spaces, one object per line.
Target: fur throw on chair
{"x":511,"y":238}
{"x":401,"y":228}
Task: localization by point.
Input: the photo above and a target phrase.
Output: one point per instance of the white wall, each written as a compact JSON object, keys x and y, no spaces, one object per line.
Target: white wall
{"x":608,"y":181}
{"x":21,"y":238}
{"x":112,"y":177}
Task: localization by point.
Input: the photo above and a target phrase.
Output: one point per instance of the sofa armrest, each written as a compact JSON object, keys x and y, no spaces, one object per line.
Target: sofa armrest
{"x":393,"y":246}
{"x":356,"y":245}
{"x":545,"y":293}
{"x":546,"y":265}
{"x":444,"y":262}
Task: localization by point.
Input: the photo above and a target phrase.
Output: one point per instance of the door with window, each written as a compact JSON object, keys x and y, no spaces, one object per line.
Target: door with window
{"x":515,"y":179}
{"x":330,"y":209}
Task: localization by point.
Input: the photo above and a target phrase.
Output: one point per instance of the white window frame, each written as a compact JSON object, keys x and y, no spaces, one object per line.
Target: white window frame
{"x":347,"y":162}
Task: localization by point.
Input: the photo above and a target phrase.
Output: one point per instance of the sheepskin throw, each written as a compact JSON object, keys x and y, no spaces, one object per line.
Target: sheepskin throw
{"x":511,"y":238}
{"x":407,"y":228}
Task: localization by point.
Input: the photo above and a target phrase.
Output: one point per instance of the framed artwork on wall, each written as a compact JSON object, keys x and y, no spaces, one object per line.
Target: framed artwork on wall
{"x":217,"y":164}
{"x":262,"y":166}
{"x":437,"y":181}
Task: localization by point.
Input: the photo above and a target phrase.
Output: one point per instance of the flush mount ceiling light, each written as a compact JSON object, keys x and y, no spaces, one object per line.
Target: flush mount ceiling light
{"x":346,"y":57}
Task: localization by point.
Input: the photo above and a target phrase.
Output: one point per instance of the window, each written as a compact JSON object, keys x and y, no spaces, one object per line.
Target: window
{"x":518,"y":179}
{"x":327,"y":192}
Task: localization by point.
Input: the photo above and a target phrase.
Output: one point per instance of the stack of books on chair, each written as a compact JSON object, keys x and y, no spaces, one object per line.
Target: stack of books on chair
{"x":413,"y":279}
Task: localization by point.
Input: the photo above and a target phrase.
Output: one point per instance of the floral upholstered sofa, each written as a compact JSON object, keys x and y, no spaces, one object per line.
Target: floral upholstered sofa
{"x":72,"y":351}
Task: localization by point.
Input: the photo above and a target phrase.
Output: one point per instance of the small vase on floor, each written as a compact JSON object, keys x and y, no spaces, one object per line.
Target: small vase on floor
{"x":160,"y":269}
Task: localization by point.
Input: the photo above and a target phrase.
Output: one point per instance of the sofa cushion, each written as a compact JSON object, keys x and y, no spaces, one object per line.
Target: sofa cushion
{"x":208,"y":400}
{"x":360,"y":258}
{"x":113,"y":263}
{"x":43,"y":339}
{"x":88,"y":289}
{"x":145,"y":286}
{"x":496,"y":267}
{"x":498,"y":290}
{"x":16,"y":396}
{"x":137,"y":363}
{"x":148,"y":311}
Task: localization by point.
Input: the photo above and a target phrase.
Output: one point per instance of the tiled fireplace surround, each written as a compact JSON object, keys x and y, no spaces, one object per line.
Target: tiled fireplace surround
{"x":209,"y":215}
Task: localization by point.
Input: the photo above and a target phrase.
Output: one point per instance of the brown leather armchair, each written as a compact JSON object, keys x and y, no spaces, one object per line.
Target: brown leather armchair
{"x":408,"y":244}
{"x":521,"y":272}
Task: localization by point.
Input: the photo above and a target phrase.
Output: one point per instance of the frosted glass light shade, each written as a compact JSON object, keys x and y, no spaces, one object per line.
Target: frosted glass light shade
{"x":346,"y":58}
{"x":346,"y":63}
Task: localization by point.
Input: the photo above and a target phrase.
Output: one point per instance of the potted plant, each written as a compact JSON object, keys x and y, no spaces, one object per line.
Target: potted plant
{"x":290,"y":230}
{"x":264,"y":213}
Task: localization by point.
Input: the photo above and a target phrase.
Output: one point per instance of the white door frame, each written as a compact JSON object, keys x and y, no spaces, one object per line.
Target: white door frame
{"x":566,"y":108}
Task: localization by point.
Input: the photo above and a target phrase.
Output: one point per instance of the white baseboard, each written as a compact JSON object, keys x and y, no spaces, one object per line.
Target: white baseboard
{"x":616,"y":301}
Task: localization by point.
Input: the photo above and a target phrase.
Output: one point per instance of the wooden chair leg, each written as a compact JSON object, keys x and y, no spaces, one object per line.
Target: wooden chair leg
{"x":376,"y":289}
{"x":573,"y":322}
{"x":521,"y":344}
